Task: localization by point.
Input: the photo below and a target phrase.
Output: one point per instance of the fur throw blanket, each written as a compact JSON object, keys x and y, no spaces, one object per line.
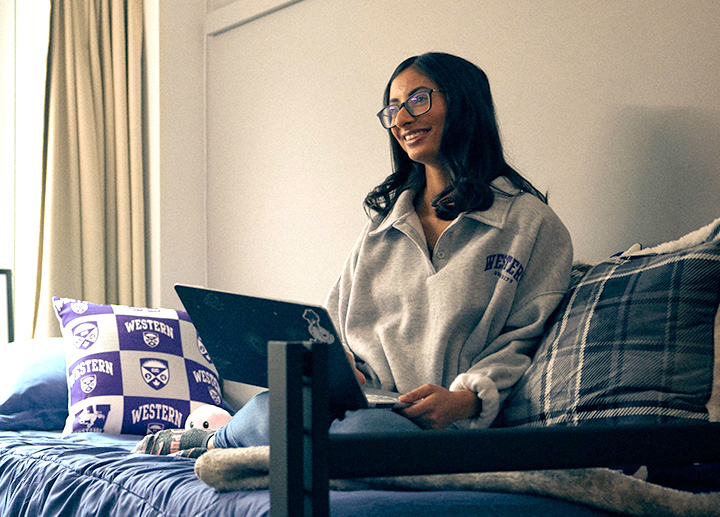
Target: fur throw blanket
{"x":248,"y":469}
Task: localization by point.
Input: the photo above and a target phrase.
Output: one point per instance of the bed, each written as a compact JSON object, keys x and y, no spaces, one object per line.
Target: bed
{"x":617,"y":414}
{"x":46,"y":473}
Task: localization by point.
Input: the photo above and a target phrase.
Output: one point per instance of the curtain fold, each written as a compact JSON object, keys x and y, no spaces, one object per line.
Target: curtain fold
{"x":92,"y":243}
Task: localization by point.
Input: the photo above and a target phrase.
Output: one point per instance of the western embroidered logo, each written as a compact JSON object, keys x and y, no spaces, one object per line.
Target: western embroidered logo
{"x":157,"y":411}
{"x":505,"y":267}
{"x":155,"y":372}
{"x":94,"y":365}
{"x":158,"y":327}
{"x":92,"y":418}
{"x":320,"y":334}
{"x":88,"y":383}
{"x":151,"y":339}
{"x":206,"y":377}
{"x":85,"y":335}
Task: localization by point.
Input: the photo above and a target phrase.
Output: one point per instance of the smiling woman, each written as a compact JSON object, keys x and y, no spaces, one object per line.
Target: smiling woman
{"x":417,"y":285}
{"x":448,"y":286}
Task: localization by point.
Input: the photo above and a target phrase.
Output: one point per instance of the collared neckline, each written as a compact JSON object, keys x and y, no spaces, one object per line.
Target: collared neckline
{"x":496,"y":215}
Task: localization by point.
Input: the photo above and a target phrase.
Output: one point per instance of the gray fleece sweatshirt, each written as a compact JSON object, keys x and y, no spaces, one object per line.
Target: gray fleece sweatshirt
{"x":467,"y":316}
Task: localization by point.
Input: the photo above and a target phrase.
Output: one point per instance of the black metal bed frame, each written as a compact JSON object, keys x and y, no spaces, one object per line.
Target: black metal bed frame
{"x":7,"y":273}
{"x":304,"y":457}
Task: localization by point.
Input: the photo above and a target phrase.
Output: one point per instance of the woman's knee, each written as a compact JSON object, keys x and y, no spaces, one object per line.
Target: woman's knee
{"x":248,"y":427}
{"x":258,"y":405}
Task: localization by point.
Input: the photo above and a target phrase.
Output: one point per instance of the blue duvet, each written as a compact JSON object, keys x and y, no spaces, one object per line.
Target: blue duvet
{"x":49,"y":474}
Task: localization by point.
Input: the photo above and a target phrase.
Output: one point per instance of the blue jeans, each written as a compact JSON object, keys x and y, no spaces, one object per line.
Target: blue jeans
{"x":251,"y":425}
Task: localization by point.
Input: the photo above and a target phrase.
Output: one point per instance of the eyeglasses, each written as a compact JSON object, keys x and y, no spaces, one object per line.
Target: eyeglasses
{"x":417,"y":104}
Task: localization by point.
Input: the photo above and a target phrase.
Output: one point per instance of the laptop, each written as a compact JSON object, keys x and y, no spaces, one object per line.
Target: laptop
{"x":235,"y":330}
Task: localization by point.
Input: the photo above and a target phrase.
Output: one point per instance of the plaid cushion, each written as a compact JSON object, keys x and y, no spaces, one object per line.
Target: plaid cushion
{"x":632,"y":342}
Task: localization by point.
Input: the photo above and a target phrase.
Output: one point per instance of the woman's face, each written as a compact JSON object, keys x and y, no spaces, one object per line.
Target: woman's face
{"x":420,"y":136}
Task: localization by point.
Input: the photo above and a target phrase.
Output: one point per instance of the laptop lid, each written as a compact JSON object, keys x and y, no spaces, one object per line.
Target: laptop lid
{"x":235,"y":330}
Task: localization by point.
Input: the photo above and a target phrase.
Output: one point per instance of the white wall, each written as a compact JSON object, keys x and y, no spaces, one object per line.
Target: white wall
{"x":23,"y":55}
{"x":7,"y":128}
{"x":176,"y":147}
{"x":611,"y":106}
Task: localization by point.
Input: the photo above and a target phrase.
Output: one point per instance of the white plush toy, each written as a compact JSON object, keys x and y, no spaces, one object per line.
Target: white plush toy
{"x":207,"y":417}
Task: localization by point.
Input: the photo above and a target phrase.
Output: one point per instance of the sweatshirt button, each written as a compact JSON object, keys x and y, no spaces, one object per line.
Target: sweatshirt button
{"x":441,"y":255}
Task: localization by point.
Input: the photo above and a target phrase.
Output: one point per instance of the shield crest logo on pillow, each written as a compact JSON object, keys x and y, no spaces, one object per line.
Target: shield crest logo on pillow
{"x":79,"y":307}
{"x":88,"y":383}
{"x":154,"y":427}
{"x":151,"y":339}
{"x":85,"y":334}
{"x":215,"y":396}
{"x":155,"y":372}
{"x":203,"y":350}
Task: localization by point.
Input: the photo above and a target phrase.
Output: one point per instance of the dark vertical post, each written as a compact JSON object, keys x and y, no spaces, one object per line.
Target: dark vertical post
{"x":317,"y":421}
{"x":299,"y":421}
{"x":285,"y":380}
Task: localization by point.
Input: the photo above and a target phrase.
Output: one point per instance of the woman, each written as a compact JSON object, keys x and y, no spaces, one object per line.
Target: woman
{"x":450,"y":283}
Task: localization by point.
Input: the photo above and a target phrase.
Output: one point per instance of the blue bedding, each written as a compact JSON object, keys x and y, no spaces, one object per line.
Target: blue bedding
{"x":95,"y":474}
{"x":46,"y":473}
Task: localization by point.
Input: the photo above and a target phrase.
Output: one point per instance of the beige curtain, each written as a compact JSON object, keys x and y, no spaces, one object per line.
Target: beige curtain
{"x":92,"y":243}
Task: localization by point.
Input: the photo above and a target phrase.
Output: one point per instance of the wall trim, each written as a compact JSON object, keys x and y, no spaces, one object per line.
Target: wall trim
{"x":241,"y":12}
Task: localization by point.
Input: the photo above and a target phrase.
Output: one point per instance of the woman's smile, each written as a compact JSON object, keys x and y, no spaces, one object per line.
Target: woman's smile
{"x":420,"y":136}
{"x":412,"y":137}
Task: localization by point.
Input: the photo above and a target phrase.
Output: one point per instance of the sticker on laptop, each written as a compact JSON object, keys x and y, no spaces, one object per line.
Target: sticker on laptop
{"x":320,"y":334}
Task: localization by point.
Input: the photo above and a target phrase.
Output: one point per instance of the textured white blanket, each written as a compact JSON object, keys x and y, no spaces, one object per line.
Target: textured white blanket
{"x":247,"y":469}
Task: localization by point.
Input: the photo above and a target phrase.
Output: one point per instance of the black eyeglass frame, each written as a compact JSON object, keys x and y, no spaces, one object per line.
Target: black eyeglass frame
{"x":399,"y":107}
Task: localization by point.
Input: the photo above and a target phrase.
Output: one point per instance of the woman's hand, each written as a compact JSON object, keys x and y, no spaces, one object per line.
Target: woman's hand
{"x":436,"y":407}
{"x":360,"y":376}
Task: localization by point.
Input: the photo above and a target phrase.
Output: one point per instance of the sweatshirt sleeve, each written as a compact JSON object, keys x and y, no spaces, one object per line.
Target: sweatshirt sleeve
{"x":338,"y":298}
{"x":508,"y":355}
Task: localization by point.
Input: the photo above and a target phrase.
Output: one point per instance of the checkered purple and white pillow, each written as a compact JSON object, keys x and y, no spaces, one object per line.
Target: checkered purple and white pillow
{"x":132,"y":370}
{"x":632,"y":342}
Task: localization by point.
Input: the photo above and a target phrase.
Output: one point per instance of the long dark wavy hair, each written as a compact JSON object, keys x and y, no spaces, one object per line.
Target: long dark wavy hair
{"x":470,"y":144}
